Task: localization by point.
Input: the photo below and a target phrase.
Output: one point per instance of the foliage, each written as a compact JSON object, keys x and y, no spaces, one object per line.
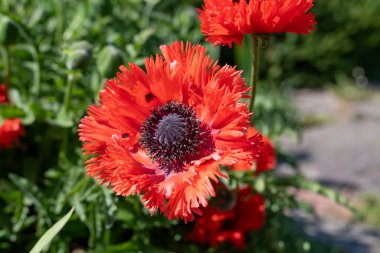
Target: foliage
{"x":343,"y":40}
{"x":44,"y":241}
{"x":55,"y":57}
{"x":370,"y":210}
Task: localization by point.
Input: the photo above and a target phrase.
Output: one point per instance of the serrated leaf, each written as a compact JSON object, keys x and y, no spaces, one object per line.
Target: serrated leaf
{"x":51,"y":233}
{"x":30,"y":191}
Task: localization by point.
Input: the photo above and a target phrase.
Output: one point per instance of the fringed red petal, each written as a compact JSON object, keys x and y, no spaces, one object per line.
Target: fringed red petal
{"x":111,"y":132}
{"x":226,"y":21}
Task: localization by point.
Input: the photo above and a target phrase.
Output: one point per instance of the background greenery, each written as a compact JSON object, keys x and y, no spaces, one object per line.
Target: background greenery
{"x":56,"y":55}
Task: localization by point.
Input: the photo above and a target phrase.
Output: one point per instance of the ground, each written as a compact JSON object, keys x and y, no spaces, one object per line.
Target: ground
{"x":340,"y":148}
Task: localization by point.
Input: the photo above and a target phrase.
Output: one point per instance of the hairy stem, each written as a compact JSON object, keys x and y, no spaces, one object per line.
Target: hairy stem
{"x":255,"y":70}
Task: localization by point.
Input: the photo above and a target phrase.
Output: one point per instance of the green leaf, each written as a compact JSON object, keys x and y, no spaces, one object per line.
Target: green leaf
{"x":300,"y":182}
{"x":30,"y":190}
{"x":64,"y":119}
{"x":16,"y":98}
{"x":129,"y":246}
{"x":259,"y":184}
{"x":51,"y":233}
{"x":8,"y":32}
{"x":11,"y":112}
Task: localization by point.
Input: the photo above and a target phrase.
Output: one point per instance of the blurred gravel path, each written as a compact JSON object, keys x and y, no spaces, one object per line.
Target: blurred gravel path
{"x":343,"y":152}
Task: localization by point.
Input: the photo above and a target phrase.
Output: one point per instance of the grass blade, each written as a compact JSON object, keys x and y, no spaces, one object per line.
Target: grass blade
{"x":51,"y":233}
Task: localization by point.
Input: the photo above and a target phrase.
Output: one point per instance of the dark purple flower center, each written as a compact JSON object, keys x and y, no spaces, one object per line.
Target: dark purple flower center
{"x":170,"y":129}
{"x":173,"y":136}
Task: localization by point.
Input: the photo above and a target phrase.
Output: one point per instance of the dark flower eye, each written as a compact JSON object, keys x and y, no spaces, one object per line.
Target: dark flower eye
{"x":173,"y":136}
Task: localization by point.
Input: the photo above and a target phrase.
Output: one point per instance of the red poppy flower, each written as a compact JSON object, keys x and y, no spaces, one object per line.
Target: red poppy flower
{"x":3,"y":94}
{"x":267,"y":159}
{"x":216,"y":226}
{"x":10,"y":131}
{"x":164,"y":133}
{"x":227,"y":21}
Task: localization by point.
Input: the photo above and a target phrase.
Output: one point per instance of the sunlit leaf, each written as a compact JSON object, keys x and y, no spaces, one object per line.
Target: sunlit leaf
{"x":44,"y":241}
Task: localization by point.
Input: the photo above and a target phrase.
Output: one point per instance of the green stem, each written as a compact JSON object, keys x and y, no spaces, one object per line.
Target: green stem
{"x":4,"y":52}
{"x":59,"y":9}
{"x":255,"y":70}
{"x":63,"y":115}
{"x":107,"y":237}
{"x":35,"y":89}
{"x":69,"y":91}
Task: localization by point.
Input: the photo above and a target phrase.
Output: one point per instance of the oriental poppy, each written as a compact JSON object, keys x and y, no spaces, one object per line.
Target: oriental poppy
{"x":10,"y":129}
{"x":267,"y":159}
{"x":217,"y":225}
{"x":3,"y":94}
{"x":227,"y":21}
{"x":164,"y":133}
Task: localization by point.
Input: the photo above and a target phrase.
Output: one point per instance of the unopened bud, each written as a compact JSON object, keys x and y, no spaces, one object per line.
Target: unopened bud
{"x":79,"y":55}
{"x":108,"y":60}
{"x":225,"y":198}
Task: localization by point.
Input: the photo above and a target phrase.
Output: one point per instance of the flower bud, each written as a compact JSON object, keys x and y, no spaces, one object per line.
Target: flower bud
{"x":79,"y":55}
{"x":225,"y":198}
{"x":108,"y":60}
